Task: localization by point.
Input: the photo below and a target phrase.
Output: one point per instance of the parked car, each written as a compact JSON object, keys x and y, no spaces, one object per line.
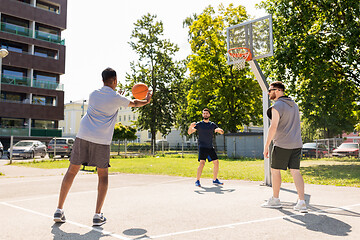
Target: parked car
{"x":347,"y":149}
{"x":63,"y":146}
{"x":309,"y":150}
{"x":28,"y":149}
{"x":1,"y":150}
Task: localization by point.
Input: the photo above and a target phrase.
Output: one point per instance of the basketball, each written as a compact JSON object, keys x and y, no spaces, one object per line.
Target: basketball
{"x":139,"y":91}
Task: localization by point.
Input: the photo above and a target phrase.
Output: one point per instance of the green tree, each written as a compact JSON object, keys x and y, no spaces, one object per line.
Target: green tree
{"x":122,"y":132}
{"x":157,"y":69}
{"x":318,"y":56}
{"x":234,"y":97}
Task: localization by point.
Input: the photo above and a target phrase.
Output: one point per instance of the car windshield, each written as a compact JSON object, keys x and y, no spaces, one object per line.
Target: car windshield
{"x":309,"y":145}
{"x":24,"y":144}
{"x":348,"y":145}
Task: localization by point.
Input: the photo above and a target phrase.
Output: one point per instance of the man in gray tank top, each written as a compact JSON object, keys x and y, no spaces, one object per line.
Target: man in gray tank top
{"x":285,"y":132}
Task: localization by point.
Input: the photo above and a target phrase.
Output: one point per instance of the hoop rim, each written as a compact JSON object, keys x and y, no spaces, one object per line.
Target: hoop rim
{"x":246,"y":55}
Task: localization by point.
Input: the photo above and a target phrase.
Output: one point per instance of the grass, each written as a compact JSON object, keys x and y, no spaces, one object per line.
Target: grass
{"x":339,"y":172}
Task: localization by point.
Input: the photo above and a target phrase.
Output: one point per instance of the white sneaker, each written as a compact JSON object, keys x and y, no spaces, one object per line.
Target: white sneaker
{"x":272,"y":203}
{"x":301,"y":206}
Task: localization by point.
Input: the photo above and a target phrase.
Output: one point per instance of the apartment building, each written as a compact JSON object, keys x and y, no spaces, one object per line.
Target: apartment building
{"x":31,"y":94}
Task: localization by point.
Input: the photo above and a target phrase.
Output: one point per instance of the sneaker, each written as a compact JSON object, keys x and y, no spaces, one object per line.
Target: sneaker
{"x":217,"y":182}
{"x":301,"y":206}
{"x":99,"y":219}
{"x":272,"y":203}
{"x":197,"y":183}
{"x":59,"y":216}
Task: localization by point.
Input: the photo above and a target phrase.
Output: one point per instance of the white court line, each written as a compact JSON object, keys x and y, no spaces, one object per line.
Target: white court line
{"x":92,"y":191}
{"x":232,"y":225}
{"x":67,"y":221}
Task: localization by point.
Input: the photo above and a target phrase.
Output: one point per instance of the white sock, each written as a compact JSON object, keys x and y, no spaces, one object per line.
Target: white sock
{"x":59,"y":209}
{"x":302,"y":201}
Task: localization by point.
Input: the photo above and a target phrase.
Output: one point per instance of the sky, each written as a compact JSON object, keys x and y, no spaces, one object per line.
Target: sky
{"x":98,"y":36}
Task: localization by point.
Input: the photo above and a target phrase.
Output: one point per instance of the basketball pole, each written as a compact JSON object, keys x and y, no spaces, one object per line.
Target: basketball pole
{"x":266,"y":122}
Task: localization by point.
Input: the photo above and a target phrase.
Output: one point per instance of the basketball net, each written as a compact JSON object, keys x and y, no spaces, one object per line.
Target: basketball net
{"x":239,"y":56}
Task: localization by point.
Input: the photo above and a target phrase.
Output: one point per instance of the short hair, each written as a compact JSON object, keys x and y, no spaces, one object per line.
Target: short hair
{"x":279,"y":85}
{"x":108,"y":74}
{"x":206,"y":109}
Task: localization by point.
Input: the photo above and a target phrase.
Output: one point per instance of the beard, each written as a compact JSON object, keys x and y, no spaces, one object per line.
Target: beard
{"x":205,"y":118}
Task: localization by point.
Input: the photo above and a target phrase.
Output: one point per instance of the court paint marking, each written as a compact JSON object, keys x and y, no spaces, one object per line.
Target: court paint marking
{"x":67,"y":221}
{"x":93,"y":191}
{"x":232,"y":225}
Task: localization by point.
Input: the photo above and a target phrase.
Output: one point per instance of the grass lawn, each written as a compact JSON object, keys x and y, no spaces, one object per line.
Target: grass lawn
{"x":339,"y":172}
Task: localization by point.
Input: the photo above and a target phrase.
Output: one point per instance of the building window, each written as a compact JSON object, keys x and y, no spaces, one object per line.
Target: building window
{"x":43,"y":76}
{"x":15,"y":26}
{"x":49,"y":6}
{"x":14,"y":76}
{"x":124,"y":117}
{"x":12,"y":122}
{"x":149,"y":134}
{"x":47,"y":33}
{"x":13,"y":97}
{"x":13,"y":46}
{"x":44,"y":52}
{"x":134,"y":118}
{"x":119,"y":118}
{"x":120,"y":108}
{"x":129,"y":118}
{"x":42,"y":124}
{"x":44,"y":100}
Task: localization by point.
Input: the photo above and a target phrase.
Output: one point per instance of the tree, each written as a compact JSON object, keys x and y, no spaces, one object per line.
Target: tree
{"x":122,"y":132}
{"x":234,"y":97}
{"x":318,"y":56}
{"x":157,"y":69}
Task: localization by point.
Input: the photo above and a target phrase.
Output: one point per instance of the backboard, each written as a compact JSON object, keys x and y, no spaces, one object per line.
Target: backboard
{"x":255,"y":35}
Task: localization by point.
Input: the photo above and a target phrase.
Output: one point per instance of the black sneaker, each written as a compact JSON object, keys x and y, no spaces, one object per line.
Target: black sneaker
{"x":59,"y":216}
{"x":99,"y":219}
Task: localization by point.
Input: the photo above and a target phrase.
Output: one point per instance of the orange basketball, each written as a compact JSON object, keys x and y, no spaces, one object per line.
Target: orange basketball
{"x":139,"y":91}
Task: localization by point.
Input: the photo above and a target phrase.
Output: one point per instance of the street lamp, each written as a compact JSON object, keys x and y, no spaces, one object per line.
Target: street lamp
{"x":3,"y":53}
{"x":84,"y":101}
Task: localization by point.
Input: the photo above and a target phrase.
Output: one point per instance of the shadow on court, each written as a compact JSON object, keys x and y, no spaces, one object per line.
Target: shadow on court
{"x":59,"y":234}
{"x":215,"y":189}
{"x":319,"y":223}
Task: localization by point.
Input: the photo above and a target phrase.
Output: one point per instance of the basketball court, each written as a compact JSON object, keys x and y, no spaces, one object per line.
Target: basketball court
{"x":164,"y":207}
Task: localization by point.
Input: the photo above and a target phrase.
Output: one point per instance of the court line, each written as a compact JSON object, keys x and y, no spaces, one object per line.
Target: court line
{"x":67,"y":221}
{"x":231,"y":225}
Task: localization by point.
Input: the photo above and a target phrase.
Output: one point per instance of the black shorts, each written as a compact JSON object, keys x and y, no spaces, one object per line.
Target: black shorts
{"x":207,"y":153}
{"x":282,"y":158}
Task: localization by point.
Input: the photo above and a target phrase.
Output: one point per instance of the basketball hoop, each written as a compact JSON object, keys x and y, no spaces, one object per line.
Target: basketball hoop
{"x":239,"y":56}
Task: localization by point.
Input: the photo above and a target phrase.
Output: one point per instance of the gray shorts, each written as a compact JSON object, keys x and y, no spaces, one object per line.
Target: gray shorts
{"x":90,"y":154}
{"x":282,"y":158}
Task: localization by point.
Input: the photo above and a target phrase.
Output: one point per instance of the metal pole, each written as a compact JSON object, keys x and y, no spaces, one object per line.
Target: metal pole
{"x":54,"y":147}
{"x":316,"y":149}
{"x":11,"y":147}
{"x":266,"y":104}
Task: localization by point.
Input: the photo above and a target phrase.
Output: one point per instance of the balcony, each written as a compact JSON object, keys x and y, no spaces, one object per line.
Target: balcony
{"x":24,"y":81}
{"x":35,"y":132}
{"x":27,"y":32}
{"x":15,"y":29}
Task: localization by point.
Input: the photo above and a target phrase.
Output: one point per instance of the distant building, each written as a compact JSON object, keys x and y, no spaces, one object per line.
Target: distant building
{"x":73,"y":112}
{"x":32,"y":97}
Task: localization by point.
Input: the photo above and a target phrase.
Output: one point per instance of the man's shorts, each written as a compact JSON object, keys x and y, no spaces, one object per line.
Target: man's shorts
{"x":90,"y":154}
{"x":207,"y":153}
{"x":282,"y":158}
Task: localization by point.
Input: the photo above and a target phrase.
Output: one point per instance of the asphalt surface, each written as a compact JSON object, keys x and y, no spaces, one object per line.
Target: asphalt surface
{"x":165,"y":207}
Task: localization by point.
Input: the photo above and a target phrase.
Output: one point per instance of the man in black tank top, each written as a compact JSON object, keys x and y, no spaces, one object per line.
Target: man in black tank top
{"x":206,"y":130}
